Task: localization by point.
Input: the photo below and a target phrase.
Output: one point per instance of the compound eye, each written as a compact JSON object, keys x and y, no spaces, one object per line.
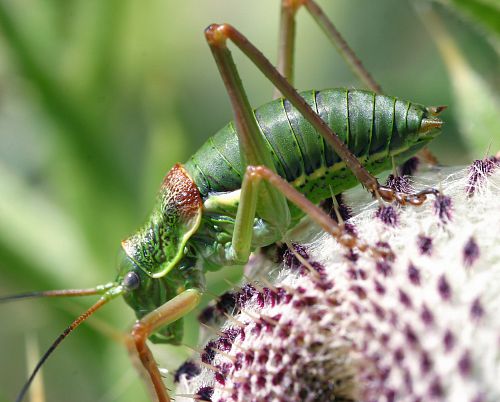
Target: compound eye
{"x":131,"y":281}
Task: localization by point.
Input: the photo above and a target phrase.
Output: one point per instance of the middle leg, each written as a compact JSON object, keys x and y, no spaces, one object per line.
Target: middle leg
{"x":254,"y":177}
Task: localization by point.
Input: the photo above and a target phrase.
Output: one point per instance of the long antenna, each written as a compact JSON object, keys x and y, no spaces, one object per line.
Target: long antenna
{"x":101,"y":302}
{"x":57,"y":293}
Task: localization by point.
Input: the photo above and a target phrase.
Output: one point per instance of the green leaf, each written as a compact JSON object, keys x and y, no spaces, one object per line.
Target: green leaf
{"x":477,"y":105}
{"x":486,"y":13}
{"x":33,"y":227}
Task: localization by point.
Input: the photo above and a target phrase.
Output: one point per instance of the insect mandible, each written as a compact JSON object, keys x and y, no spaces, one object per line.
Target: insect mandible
{"x":253,"y":181}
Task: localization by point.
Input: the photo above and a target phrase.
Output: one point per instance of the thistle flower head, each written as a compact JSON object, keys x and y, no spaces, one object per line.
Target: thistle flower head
{"x":331,"y":324}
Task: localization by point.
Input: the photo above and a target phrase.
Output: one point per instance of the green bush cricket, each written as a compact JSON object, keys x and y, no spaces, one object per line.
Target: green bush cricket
{"x":245,"y":187}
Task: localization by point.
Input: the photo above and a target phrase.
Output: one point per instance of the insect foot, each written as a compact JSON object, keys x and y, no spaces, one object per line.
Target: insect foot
{"x":390,"y":194}
{"x":422,"y":326}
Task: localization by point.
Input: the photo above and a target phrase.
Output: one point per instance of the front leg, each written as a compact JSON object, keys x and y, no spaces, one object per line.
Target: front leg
{"x":167,"y":313}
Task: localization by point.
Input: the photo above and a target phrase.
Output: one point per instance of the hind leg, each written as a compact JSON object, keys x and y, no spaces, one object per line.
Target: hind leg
{"x":286,"y":42}
{"x":217,"y":36}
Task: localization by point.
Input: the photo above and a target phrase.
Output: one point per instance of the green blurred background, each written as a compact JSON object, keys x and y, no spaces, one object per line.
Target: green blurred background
{"x":99,"y":98}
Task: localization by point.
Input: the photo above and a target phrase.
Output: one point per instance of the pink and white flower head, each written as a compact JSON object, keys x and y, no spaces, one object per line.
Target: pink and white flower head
{"x":330,"y":324}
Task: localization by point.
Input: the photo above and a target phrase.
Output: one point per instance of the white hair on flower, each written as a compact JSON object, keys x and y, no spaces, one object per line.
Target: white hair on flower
{"x":340,"y":325}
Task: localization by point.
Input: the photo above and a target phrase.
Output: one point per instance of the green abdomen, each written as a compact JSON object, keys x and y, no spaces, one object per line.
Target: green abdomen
{"x":373,"y":126}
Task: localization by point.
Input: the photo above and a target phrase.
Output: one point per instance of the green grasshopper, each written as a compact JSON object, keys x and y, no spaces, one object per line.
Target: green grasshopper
{"x":250,"y":183}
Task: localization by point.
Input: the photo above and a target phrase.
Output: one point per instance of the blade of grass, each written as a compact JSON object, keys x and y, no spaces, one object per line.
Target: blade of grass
{"x":477,"y":105}
{"x":85,"y":138}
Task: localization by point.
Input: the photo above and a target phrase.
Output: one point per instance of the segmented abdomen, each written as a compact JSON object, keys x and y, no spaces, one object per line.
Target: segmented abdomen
{"x":367,"y":122}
